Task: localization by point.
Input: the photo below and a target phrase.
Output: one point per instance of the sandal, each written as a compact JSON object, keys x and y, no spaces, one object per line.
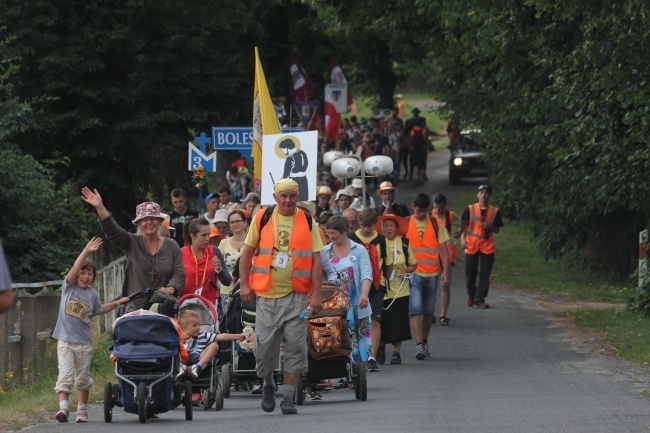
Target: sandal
{"x":444,"y":321}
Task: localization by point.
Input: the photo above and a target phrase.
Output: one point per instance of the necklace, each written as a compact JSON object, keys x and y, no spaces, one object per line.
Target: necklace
{"x":153,"y":258}
{"x":196,"y":262}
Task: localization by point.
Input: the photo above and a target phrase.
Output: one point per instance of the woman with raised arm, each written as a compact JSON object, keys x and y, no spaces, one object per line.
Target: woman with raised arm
{"x":152,"y":261}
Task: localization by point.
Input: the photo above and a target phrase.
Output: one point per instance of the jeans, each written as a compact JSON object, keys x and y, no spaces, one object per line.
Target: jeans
{"x":423,"y":292}
{"x":480,"y":292}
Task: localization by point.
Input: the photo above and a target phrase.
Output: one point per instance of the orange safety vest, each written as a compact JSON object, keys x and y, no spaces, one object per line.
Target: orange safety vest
{"x":475,"y":236}
{"x":425,"y":250}
{"x":442,"y":221}
{"x":301,"y":255}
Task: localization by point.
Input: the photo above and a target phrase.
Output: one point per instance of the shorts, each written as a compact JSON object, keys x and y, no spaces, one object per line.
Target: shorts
{"x":423,"y":292}
{"x":74,"y":366}
{"x":278,"y":322}
{"x":376,"y":301}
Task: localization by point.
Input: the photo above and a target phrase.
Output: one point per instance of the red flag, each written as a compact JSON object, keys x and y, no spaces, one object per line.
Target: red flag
{"x":302,"y":89}
{"x":332,"y":119}
{"x":338,"y":77}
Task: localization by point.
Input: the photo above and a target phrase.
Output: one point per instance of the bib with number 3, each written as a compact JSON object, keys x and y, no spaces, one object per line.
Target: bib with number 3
{"x":281,"y":260}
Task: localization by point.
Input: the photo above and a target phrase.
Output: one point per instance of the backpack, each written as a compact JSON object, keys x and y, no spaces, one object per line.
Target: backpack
{"x":418,"y":140}
{"x":371,"y":247}
{"x":269,"y":211}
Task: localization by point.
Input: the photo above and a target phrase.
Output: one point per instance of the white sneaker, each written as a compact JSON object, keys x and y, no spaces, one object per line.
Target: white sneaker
{"x":82,"y":416}
{"x":181,"y":373}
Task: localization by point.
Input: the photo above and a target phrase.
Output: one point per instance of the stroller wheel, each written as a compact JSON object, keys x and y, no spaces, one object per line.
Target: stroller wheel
{"x":117,"y":397}
{"x":142,"y":402}
{"x":205,"y":397}
{"x":226,"y":380}
{"x":218,"y":399}
{"x":187,"y":400}
{"x":108,"y":402}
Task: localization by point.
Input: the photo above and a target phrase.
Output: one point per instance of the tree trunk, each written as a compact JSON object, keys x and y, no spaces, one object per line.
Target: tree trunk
{"x":613,"y":243}
{"x":386,"y":79}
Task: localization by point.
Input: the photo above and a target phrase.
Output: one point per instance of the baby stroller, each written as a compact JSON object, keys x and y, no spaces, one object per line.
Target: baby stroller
{"x":208,"y":382}
{"x":145,"y":347}
{"x":330,"y":348}
{"x":238,"y":366}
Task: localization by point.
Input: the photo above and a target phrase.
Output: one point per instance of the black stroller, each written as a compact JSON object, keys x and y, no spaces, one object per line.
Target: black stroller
{"x":145,"y":346}
{"x":238,"y":366}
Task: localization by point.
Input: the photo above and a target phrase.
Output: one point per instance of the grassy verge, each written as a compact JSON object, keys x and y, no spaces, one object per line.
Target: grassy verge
{"x":519,"y":266}
{"x":24,"y":404}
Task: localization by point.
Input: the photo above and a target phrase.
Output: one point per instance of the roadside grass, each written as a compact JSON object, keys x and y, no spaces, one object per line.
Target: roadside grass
{"x":627,"y":331}
{"x":519,"y":266}
{"x":24,"y":404}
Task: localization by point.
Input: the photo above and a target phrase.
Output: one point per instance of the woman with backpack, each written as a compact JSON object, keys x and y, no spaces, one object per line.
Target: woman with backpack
{"x":395,"y":325}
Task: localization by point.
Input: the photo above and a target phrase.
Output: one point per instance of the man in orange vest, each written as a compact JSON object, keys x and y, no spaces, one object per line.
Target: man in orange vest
{"x":479,"y":223}
{"x":429,"y":243}
{"x":280,"y":263}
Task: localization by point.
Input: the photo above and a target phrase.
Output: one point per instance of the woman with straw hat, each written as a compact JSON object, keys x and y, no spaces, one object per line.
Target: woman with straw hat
{"x":395,"y":325}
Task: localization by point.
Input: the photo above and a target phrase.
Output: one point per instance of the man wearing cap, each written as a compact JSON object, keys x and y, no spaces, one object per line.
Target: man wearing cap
{"x":323,"y":199}
{"x":479,"y":223}
{"x":180,"y":215}
{"x":388,"y":206}
{"x":280,"y":263}
{"x":221,"y":222}
{"x":211,"y":204}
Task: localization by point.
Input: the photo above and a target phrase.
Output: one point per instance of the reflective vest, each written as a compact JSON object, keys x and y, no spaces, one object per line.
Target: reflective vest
{"x":301,"y":255}
{"x":442,"y":222}
{"x":425,"y":250}
{"x":475,"y":237}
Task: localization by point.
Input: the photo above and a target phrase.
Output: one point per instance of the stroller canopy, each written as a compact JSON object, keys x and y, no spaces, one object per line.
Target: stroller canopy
{"x":140,"y":337}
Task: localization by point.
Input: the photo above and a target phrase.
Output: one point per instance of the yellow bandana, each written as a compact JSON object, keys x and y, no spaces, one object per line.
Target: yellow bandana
{"x":285,"y":184}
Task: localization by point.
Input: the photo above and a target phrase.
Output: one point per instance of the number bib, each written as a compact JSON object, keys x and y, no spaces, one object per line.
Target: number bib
{"x":281,"y":260}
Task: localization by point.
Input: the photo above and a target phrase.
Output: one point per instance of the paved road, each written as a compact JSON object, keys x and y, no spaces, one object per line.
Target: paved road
{"x":506,"y":369}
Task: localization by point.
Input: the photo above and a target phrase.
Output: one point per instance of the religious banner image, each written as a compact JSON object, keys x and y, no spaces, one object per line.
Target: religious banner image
{"x":290,"y":156}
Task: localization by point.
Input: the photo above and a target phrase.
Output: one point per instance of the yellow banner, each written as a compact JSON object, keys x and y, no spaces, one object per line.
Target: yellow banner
{"x":265,"y":121}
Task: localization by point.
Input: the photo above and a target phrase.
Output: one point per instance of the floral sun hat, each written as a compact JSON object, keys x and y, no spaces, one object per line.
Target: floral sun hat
{"x":147,"y":209}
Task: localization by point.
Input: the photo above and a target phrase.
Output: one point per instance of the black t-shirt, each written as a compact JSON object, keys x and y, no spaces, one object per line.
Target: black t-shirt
{"x":178,"y":221}
{"x":498,"y":222}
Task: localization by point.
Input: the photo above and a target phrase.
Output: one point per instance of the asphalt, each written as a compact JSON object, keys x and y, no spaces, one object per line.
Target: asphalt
{"x":506,"y":369}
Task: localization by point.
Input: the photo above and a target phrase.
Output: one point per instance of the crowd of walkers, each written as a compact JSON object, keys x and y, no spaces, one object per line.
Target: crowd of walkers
{"x":388,"y":257}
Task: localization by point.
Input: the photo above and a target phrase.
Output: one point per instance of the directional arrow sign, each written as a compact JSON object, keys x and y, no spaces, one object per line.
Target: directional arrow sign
{"x":195,"y":158}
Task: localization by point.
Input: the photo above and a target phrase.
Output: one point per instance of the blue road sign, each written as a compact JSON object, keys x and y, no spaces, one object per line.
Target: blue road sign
{"x":195,"y":158}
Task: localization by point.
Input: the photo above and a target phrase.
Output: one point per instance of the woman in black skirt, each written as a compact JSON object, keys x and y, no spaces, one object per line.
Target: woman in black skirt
{"x":395,"y":326}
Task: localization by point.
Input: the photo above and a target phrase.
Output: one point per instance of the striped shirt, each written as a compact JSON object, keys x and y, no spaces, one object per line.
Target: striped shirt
{"x":199,"y":343}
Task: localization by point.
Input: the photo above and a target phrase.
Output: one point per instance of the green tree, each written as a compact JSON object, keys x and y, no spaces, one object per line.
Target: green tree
{"x":560,"y":91}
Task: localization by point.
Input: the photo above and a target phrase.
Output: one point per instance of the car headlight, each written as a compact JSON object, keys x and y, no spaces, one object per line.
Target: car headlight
{"x":458,"y":162}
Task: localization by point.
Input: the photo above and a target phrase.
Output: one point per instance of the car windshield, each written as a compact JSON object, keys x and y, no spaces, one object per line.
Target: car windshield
{"x":466,"y":144}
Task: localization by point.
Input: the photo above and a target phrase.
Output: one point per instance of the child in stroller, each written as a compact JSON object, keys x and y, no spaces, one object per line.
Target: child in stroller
{"x":198,"y":322}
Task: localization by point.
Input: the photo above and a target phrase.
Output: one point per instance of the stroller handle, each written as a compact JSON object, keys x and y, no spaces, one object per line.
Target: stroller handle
{"x":153,"y":293}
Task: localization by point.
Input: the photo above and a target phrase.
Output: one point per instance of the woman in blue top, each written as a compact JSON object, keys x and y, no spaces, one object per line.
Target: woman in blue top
{"x":352,"y":264}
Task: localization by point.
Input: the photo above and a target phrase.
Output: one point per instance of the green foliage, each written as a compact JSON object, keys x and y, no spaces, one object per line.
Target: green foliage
{"x":560,"y":93}
{"x":640,"y":302}
{"x":42,"y":226}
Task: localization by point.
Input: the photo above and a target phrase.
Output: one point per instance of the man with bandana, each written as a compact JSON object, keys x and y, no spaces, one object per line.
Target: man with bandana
{"x":280,"y":263}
